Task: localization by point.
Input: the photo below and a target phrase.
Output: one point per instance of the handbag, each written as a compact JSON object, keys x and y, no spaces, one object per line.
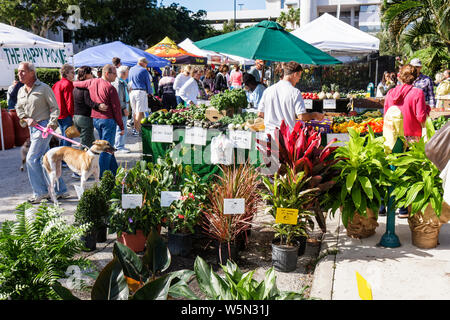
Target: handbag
{"x":437,"y":149}
{"x":72,"y":132}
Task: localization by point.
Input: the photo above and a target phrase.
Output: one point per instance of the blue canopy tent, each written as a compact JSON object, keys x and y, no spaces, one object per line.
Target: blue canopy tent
{"x":103,"y":54}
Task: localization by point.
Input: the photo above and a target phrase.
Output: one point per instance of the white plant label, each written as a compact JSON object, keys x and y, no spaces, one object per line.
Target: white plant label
{"x":131,"y":201}
{"x":308,"y":104}
{"x":162,"y":133}
{"x":241,"y":139}
{"x":167,"y":197}
{"x":341,"y":139}
{"x":233,"y":206}
{"x":195,"y":135}
{"x":329,"y":104}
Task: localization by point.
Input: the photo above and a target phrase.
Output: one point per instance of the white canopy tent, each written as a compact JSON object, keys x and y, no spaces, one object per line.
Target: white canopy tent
{"x":337,"y":38}
{"x":17,"y":45}
{"x":214,"y":57}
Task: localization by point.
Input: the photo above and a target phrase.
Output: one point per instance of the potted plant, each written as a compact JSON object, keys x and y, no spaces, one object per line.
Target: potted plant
{"x":107,"y":185}
{"x":184,"y":214}
{"x":92,"y":208}
{"x":302,"y":150}
{"x":289,"y":191}
{"x":418,"y":187}
{"x":234,"y":183}
{"x":361,"y":185}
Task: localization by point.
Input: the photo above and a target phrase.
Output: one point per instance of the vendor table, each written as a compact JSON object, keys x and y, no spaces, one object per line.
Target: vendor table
{"x":196,"y":155}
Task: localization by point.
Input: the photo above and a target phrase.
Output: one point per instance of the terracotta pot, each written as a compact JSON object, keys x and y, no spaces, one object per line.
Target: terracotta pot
{"x":8,"y":130}
{"x":20,"y":134}
{"x":362,"y":227}
{"x":425,"y":228}
{"x":135,"y":242}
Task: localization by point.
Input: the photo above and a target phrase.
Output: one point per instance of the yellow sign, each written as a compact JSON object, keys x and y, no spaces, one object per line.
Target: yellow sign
{"x":286,"y":216}
{"x":364,"y":289}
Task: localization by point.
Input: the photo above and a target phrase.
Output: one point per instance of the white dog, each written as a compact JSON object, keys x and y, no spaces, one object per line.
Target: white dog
{"x":81,"y":162}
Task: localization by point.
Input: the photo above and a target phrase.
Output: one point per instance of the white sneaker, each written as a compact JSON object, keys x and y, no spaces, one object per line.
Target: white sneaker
{"x":124,"y":150}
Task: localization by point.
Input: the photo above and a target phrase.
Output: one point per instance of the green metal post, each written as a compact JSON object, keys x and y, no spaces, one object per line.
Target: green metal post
{"x":390,"y":239}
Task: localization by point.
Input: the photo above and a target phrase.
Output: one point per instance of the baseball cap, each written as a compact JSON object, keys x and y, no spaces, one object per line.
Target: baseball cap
{"x":416,"y":62}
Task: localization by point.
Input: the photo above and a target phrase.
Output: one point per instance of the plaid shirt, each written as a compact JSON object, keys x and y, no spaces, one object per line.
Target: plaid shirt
{"x":426,"y":84}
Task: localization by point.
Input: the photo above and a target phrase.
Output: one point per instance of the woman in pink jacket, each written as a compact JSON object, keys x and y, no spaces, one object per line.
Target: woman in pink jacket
{"x":411,"y":102}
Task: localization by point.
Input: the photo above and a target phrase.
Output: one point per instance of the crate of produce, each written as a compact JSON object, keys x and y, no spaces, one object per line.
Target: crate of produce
{"x":321,"y":126}
{"x":213,"y":115}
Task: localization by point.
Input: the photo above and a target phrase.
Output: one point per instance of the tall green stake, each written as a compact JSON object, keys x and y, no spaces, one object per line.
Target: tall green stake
{"x":390,"y":239}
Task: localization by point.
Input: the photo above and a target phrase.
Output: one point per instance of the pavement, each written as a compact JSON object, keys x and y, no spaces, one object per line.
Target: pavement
{"x":403,"y":273}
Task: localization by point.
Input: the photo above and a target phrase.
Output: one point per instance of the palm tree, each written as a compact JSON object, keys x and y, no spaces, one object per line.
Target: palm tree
{"x":283,"y":19}
{"x":418,"y":21}
{"x":293,"y":17}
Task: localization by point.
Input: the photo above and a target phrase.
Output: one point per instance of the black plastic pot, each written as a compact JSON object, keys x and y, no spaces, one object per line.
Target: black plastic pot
{"x":301,"y":245}
{"x":284,"y":258}
{"x":90,"y":240}
{"x":242,"y":240}
{"x":224,"y":253}
{"x":102,"y":234}
{"x":179,"y":244}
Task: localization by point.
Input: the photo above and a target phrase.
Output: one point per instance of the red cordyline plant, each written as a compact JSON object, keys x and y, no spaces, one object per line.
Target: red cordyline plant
{"x":234,"y":183}
{"x":301,"y":150}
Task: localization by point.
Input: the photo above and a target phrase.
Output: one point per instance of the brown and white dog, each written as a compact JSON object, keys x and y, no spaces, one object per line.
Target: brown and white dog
{"x":84,"y":163}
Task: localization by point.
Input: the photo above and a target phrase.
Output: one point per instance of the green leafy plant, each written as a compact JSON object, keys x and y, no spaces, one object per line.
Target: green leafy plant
{"x":364,"y":177}
{"x":148,"y":179}
{"x":230,"y":99}
{"x":289,"y":191}
{"x":92,"y":208}
{"x":236,"y":285}
{"x":416,"y":180}
{"x":36,"y":250}
{"x":184,"y":214}
{"x":128,"y":277}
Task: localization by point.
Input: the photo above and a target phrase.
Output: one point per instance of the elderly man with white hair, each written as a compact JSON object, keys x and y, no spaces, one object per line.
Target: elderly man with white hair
{"x":36,"y":104}
{"x":141,"y":87}
{"x":122,"y":89}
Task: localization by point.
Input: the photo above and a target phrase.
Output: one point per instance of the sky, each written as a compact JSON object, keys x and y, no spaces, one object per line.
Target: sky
{"x":217,"y":5}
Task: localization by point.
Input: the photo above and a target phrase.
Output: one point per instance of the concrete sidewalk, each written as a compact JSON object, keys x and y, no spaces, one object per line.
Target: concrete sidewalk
{"x":403,"y":273}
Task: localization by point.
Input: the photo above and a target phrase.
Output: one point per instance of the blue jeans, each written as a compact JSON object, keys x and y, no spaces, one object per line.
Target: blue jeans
{"x":63,"y":125}
{"x":36,"y":173}
{"x":120,"y":140}
{"x":179,"y":100}
{"x":106,"y":129}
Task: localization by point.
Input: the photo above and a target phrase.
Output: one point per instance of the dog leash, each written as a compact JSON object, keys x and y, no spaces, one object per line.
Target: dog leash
{"x":47,"y":131}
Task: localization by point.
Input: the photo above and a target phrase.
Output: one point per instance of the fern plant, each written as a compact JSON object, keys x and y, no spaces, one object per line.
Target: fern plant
{"x":35,"y":251}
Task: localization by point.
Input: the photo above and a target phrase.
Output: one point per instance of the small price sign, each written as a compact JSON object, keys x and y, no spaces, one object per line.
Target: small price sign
{"x":167,"y":197}
{"x":195,"y":135}
{"x":329,"y":104}
{"x":241,"y":139}
{"x":286,"y":216}
{"x":341,"y":138}
{"x":162,"y":133}
{"x":131,"y":201}
{"x":234,"y":206}
{"x":308,"y":104}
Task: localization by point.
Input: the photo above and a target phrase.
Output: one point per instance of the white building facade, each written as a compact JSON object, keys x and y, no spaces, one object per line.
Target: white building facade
{"x":362,"y":14}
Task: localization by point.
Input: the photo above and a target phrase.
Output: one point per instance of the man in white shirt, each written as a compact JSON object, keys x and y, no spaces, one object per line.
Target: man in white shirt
{"x":190,"y":90}
{"x":283,"y":101}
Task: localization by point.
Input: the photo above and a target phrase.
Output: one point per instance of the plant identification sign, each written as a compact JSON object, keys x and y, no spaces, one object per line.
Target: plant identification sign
{"x":308,"y":104}
{"x":162,"y":133}
{"x":241,"y":139}
{"x":131,"y":201}
{"x":286,"y":216}
{"x":234,"y":206}
{"x":195,"y":135}
{"x":167,"y":197}
{"x":341,"y":139}
{"x":329,"y":104}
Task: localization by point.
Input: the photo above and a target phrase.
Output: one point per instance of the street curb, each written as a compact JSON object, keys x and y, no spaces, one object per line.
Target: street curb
{"x":323,"y":279}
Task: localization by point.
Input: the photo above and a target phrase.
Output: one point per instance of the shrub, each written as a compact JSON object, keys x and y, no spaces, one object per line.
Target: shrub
{"x":47,"y":75}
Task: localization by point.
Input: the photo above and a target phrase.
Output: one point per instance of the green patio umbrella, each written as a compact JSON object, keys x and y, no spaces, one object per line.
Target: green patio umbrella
{"x":267,"y":40}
